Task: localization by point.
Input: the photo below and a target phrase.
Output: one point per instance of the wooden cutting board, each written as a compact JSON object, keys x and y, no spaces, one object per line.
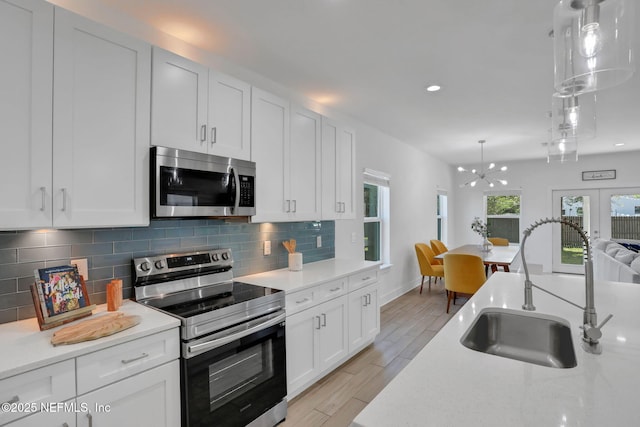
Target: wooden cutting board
{"x":97,"y":327}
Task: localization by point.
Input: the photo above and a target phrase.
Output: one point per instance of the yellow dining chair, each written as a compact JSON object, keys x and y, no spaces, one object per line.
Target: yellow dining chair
{"x":499,"y":241}
{"x":438,"y":248}
{"x":426,"y":262}
{"x":463,"y":274}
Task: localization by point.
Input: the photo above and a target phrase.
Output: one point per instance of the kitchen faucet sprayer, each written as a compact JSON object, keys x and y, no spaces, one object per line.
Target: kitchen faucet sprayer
{"x":591,"y":330}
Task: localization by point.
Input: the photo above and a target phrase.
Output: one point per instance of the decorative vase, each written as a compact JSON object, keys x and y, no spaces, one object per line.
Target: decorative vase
{"x":486,"y":245}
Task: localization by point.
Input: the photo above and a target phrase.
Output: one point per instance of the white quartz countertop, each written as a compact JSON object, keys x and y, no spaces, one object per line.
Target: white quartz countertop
{"x":311,"y":274}
{"x":447,"y":384}
{"x":25,"y":347}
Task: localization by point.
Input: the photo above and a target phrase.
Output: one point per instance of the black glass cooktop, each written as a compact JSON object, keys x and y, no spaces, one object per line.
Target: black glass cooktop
{"x":242,"y":292}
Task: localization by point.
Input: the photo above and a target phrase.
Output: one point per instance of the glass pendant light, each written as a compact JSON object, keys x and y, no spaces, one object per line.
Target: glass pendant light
{"x":592,"y":44}
{"x":573,"y":117}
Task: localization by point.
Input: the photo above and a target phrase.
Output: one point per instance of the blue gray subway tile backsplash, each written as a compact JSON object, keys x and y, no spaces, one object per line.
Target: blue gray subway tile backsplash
{"x":109,"y":252}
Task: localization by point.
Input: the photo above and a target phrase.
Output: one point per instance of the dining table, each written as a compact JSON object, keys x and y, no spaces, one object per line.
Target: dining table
{"x":498,"y":256}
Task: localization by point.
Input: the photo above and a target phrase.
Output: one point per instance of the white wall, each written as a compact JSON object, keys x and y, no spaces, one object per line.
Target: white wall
{"x":415,"y":175}
{"x":416,"y":178}
{"x":536,"y":179}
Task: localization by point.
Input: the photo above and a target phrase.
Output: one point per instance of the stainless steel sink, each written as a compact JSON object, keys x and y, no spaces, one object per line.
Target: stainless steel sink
{"x":529,"y":337}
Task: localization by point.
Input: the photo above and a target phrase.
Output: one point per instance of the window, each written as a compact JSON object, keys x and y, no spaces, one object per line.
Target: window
{"x":503,"y":215}
{"x":376,"y":216}
{"x":441,"y":215}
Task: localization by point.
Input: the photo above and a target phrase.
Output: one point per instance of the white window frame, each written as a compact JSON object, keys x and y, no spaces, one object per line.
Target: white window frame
{"x":505,"y":193}
{"x":383,"y":181}
{"x":443,"y":200}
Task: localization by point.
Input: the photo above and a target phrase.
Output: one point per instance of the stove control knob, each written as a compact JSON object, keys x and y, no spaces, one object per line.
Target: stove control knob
{"x":145,"y":266}
{"x":159,"y":265}
{"x":215,"y":257}
{"x":225,"y":256}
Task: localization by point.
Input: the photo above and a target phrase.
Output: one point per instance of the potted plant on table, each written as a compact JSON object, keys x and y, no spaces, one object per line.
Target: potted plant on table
{"x":480,"y":227}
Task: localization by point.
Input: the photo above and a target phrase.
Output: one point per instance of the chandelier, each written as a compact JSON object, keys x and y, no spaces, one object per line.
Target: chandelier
{"x":484,"y":175}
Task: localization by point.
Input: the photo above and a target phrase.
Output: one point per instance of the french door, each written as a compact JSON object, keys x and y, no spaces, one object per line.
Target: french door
{"x":604,"y":212}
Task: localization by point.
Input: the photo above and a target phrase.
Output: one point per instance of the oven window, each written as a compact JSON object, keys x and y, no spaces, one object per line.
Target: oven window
{"x":189,"y":187}
{"x":239,"y":374}
{"x":235,"y":384}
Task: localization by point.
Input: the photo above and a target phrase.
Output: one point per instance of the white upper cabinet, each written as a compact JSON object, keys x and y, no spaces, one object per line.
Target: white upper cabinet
{"x":77,"y":144}
{"x":303,"y":202}
{"x":229,"y":116}
{"x":26,"y":79}
{"x":338,"y":171}
{"x":101,"y":113}
{"x":286,"y":144}
{"x":270,"y":150}
{"x":198,"y":109}
{"x":179,"y":102}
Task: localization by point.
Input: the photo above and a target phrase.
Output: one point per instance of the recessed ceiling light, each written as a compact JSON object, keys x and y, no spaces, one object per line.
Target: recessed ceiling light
{"x":618,"y":144}
{"x":433,"y":88}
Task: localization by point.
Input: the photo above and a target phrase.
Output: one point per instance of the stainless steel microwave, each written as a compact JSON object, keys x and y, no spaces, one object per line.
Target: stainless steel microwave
{"x":189,"y":184}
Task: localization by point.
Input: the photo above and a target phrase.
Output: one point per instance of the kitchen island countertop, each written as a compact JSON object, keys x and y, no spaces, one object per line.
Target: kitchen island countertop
{"x":447,"y":384}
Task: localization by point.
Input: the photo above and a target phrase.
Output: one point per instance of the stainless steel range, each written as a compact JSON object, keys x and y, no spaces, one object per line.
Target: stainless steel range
{"x":233,"y":370}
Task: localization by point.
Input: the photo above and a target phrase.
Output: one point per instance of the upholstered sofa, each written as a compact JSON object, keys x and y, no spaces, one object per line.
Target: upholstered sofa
{"x":612,"y":261}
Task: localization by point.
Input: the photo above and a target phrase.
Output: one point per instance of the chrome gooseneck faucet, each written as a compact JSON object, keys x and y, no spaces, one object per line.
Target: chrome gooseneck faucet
{"x":591,"y":330}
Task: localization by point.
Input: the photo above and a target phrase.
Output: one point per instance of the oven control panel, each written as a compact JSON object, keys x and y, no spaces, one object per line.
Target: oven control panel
{"x":182,"y":262}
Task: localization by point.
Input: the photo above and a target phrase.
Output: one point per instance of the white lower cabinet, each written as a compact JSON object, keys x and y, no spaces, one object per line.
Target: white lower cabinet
{"x":364,"y":316}
{"x":64,"y":417}
{"x":316,"y":340}
{"x":136,"y":383}
{"x":328,"y":323}
{"x":149,"y":399}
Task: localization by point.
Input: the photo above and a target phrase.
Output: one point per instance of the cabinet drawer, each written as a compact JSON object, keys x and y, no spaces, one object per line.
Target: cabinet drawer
{"x":300,"y":300}
{"x":53,"y":383}
{"x":358,"y":280}
{"x":123,"y":360}
{"x":331,"y":290}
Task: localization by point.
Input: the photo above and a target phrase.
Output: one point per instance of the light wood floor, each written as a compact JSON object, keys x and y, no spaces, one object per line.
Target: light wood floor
{"x":407,"y":324}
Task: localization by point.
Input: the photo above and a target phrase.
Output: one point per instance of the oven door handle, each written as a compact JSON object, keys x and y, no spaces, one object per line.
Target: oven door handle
{"x":233,"y":335}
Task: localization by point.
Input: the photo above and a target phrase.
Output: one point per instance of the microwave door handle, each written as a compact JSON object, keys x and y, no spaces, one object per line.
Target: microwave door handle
{"x":236,"y":186}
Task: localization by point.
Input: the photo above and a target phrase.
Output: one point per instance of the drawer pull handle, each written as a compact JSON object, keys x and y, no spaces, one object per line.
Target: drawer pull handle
{"x":14,"y":399}
{"x":302,"y":301}
{"x":135,"y":358}
{"x":335,"y":289}
{"x":90,"y":419}
{"x":366,"y":278}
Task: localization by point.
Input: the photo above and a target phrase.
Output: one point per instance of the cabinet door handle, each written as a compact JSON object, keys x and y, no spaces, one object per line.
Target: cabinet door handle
{"x":288,"y":206}
{"x":364,"y":300}
{"x":368,"y":299}
{"x":302,"y":301}
{"x":338,"y":207}
{"x":64,"y":199}
{"x":43,"y":191}
{"x":295,"y":205}
{"x":142,"y":356}
{"x":324,"y":319}
{"x":90,"y":417}
{"x":318,"y":317}
{"x":14,"y":399}
{"x":214,"y":135}
{"x":203,"y":133}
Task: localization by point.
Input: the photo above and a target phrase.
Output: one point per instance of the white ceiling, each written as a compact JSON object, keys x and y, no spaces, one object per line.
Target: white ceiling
{"x":372,"y":59}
